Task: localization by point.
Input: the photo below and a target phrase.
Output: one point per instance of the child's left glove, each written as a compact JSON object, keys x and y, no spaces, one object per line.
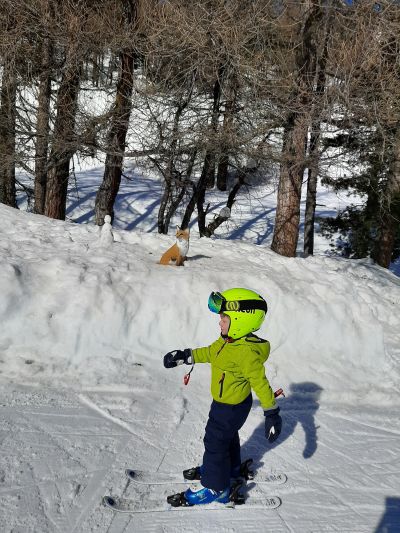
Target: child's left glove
{"x":273,"y":424}
{"x":178,"y":357}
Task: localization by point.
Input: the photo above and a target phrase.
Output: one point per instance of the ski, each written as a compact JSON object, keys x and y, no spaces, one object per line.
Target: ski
{"x":192,"y":476}
{"x":159,"y":478}
{"x":132,"y":506}
{"x":152,"y":492}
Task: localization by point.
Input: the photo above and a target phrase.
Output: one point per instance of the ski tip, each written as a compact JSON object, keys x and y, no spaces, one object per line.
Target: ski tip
{"x":273,"y":502}
{"x":109,"y":501}
{"x":277,"y":478}
{"x":130,"y":473}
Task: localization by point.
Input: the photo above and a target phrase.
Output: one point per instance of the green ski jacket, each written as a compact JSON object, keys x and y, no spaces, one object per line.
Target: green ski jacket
{"x":236,"y":368}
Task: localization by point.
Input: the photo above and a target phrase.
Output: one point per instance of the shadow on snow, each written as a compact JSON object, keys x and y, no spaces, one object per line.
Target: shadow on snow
{"x":299,"y":407}
{"x":390,"y":521}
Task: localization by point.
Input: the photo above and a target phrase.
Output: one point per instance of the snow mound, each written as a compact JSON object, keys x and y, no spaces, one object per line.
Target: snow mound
{"x":75,"y":313}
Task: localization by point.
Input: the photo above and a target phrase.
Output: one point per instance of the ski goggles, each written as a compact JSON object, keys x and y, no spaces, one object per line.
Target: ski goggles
{"x":218,"y":304}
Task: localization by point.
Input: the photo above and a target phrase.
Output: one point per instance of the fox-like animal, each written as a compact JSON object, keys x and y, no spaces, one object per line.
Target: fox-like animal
{"x":179,"y":250}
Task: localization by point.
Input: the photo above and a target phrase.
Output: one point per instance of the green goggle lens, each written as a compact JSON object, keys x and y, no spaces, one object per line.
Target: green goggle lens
{"x":215,"y":302}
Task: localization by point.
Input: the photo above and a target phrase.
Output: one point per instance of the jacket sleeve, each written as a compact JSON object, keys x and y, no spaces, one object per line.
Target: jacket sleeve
{"x":203,"y":355}
{"x":254,"y":371}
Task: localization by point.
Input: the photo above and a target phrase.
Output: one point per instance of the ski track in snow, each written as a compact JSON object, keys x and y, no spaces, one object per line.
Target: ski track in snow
{"x":74,"y":455}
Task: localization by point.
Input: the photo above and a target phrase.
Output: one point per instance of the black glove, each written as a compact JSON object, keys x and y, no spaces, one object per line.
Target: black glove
{"x":273,"y":424}
{"x":178,"y":357}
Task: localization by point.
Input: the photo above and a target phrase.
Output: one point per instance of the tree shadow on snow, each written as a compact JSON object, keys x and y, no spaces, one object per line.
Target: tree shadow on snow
{"x":390,"y":521}
{"x":252,"y":225}
{"x":298,"y":407}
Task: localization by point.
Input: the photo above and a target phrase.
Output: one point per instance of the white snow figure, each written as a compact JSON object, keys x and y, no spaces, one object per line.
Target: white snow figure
{"x":106,"y":235}
{"x":225,"y":212}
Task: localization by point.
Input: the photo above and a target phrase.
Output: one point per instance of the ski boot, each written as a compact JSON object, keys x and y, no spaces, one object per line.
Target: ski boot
{"x":201,"y":495}
{"x":243,"y":471}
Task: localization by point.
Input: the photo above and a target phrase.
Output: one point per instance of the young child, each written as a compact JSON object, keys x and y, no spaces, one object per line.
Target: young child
{"x":237,"y":366}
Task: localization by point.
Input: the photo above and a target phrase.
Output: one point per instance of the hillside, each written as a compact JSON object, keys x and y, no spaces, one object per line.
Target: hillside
{"x":85,"y":394}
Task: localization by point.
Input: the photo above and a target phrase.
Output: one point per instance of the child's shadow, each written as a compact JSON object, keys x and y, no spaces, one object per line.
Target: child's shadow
{"x":299,"y":406}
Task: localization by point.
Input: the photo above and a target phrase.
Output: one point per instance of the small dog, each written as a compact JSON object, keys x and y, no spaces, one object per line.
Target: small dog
{"x":179,"y":250}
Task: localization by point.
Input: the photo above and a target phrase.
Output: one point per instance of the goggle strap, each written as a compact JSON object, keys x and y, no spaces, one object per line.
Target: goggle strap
{"x":244,"y":305}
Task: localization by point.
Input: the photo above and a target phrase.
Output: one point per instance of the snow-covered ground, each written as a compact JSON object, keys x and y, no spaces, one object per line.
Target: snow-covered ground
{"x":84,"y":395}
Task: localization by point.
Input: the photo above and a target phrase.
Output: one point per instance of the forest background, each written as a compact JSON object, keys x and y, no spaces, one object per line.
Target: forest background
{"x":222,"y":94}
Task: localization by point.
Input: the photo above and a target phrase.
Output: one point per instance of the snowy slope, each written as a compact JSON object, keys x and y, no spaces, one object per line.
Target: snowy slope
{"x":84,"y":329}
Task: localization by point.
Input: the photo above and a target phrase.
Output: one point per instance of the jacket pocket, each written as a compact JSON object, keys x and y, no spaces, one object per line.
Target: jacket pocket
{"x":221,"y":384}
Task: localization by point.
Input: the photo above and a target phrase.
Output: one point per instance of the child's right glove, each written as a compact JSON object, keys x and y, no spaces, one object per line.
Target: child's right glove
{"x":178,"y":357}
{"x":273,"y":424}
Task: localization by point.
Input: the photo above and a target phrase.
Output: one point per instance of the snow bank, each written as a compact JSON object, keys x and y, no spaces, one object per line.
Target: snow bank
{"x":75,"y":312}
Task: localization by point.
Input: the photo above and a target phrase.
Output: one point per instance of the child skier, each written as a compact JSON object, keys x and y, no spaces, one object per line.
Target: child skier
{"x":237,"y":365}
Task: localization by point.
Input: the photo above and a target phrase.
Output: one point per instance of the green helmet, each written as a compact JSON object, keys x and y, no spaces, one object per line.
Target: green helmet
{"x":245,"y":308}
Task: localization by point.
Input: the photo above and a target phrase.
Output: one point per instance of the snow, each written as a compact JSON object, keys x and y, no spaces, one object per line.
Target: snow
{"x":87,"y":315}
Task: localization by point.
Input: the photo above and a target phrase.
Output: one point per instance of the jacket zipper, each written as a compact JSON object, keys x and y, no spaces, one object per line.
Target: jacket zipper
{"x":221,"y":384}
{"x":220,"y":350}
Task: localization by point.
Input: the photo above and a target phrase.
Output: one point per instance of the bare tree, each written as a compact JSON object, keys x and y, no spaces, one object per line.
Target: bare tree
{"x":315,"y":133}
{"x":107,"y":193}
{"x":368,"y":96}
{"x":63,"y":143}
{"x":293,"y":161}
{"x":7,"y":133}
{"x":390,"y":215}
{"x":11,"y":46}
{"x":219,"y":83}
{"x":228,"y":112}
{"x":83,"y":30}
{"x":225,"y":213}
{"x":222,"y":52}
{"x":389,"y":94}
{"x":43,"y":110}
{"x":175,"y":184}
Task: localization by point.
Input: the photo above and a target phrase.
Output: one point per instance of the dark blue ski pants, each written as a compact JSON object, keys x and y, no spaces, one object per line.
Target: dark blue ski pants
{"x":221,"y":442}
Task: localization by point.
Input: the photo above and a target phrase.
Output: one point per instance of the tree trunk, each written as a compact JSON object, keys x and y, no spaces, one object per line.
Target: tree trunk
{"x":385,"y":245}
{"x":169,"y":173}
{"x":165,"y":199}
{"x":221,"y":218}
{"x":290,"y":182}
{"x":64,"y":144}
{"x":204,"y":181}
{"x":7,"y":135}
{"x":293,"y":163}
{"x":209,"y":168}
{"x":207,"y":178}
{"x":390,"y":211}
{"x":311,"y":201}
{"x":223,"y":163}
{"x":108,"y":191}
{"x":174,"y":202}
{"x":198,"y":192}
{"x":42,"y":129}
{"x":197,"y":199}
{"x":222,"y":171}
{"x":210,"y":157}
{"x":173,"y":181}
